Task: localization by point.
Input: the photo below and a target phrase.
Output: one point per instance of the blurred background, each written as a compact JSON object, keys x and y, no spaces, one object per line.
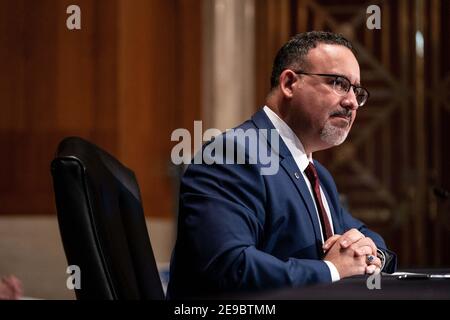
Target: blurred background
{"x":139,"y":69}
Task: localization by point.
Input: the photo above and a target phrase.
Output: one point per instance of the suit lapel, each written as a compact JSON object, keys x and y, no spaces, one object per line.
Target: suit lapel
{"x":288,"y":163}
{"x":297,"y":179}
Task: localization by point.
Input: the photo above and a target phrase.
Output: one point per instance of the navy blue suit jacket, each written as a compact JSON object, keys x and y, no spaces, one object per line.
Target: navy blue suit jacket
{"x":240,"y":230}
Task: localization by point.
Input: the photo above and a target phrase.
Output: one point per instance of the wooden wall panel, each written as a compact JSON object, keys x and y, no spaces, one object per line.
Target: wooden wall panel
{"x":76,"y":65}
{"x":28,"y":56}
{"x":119,"y":82}
{"x":188,"y":58}
{"x":147,"y":82}
{"x":273,"y":21}
{"x":104,"y":55}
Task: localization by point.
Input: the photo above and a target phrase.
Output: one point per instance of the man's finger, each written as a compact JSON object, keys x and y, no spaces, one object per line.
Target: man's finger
{"x":365,"y":242}
{"x":330,"y":241}
{"x":370,"y":242}
{"x":350,"y":237}
{"x":363,"y":251}
{"x":370,"y":269}
{"x":375,"y":262}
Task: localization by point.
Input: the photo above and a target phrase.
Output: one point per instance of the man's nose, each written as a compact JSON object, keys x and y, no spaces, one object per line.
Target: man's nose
{"x":349,"y":101}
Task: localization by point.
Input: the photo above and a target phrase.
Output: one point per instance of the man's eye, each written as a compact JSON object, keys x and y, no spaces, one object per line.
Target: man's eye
{"x":340,"y":83}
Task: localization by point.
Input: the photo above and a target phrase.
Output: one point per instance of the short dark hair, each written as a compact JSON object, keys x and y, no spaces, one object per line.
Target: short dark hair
{"x":293,"y":52}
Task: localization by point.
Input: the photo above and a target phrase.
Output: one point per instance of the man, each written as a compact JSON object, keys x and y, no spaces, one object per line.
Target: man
{"x":241,"y":230}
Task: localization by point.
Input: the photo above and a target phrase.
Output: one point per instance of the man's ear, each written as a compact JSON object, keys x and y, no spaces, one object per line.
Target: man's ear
{"x":288,"y":79}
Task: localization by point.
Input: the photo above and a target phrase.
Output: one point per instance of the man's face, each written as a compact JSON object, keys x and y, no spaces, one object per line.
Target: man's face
{"x":317,"y":114}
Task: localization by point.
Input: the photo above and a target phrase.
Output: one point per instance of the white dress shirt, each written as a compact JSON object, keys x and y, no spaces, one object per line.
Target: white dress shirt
{"x":302,"y":160}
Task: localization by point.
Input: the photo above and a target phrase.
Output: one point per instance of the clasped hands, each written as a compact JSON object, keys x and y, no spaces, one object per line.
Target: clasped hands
{"x":352,"y":253}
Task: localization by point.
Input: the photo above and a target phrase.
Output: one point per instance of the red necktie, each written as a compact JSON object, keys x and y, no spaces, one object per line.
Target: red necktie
{"x":311,"y":173}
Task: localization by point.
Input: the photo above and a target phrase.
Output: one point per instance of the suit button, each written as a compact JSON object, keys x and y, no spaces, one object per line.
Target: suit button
{"x":297,"y":175}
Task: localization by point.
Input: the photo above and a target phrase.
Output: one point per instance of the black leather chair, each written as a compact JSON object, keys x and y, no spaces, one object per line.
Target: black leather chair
{"x":102,"y":224}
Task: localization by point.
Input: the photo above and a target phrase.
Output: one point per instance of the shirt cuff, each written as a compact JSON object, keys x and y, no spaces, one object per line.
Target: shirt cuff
{"x":333,"y":271}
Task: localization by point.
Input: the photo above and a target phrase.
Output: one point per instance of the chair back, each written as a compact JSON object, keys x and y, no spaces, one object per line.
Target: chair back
{"x":102,"y":224}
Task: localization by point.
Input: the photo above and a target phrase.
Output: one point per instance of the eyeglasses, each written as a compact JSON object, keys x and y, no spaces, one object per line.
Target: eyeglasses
{"x":341,"y":85}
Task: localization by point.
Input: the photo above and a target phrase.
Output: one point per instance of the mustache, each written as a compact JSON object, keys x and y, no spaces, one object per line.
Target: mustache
{"x":342,"y":113}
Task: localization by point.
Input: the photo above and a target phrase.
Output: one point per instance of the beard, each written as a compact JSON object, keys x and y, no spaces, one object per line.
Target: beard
{"x":333,"y":135}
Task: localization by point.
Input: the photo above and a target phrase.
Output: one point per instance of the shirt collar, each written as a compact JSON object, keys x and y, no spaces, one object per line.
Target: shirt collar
{"x":291,"y":140}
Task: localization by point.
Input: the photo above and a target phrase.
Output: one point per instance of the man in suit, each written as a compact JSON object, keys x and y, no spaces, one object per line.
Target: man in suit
{"x":240,"y":229}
